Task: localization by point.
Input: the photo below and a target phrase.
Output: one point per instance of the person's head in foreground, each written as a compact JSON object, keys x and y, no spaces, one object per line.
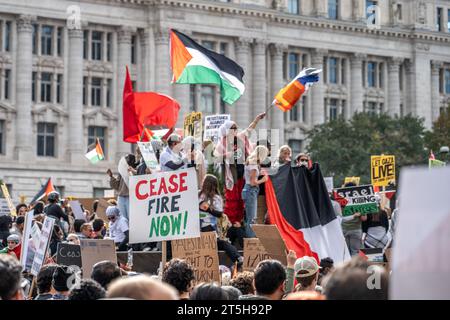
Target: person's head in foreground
{"x":141,"y":287}
{"x":233,"y":293}
{"x":284,"y":154}
{"x":87,"y":289}
{"x":269,"y":279}
{"x":10,"y":278}
{"x":357,"y":280}
{"x":44,"y":282}
{"x":179,"y":274}
{"x":64,"y":278}
{"x":104,"y":272}
{"x":209,"y":291}
{"x":306,"y":272}
{"x":244,"y":282}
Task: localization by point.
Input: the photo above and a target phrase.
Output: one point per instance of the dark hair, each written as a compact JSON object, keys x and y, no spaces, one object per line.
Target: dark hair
{"x":104,"y":272}
{"x":131,"y":160}
{"x":178,"y":273}
{"x":208,"y":291}
{"x":326,"y":263}
{"x":20,"y":220}
{"x":97,"y":225}
{"x":5,"y":223}
{"x":233,"y":293}
{"x":95,"y":205}
{"x":88,"y":289}
{"x":38,"y":208}
{"x":244,"y":282}
{"x":10,"y":276}
{"x":20,"y":205}
{"x":349,"y":282}
{"x":349,"y":184}
{"x":63,"y":276}
{"x":45,"y":277}
{"x":269,"y":275}
{"x":77,"y":225}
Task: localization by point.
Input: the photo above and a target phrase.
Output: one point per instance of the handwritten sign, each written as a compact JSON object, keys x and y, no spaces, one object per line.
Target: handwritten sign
{"x":202,"y":254}
{"x":68,"y":254}
{"x":360,"y":199}
{"x":254,"y":253}
{"x":212,"y":125}
{"x":149,"y":155}
{"x":271,"y":239}
{"x":193,"y":125}
{"x":382,"y":170}
{"x":44,"y":241}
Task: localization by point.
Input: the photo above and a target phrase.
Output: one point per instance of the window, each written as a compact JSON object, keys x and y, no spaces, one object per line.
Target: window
{"x":85,"y":43}
{"x":59,"y":80}
{"x":371,"y":69}
{"x":343,"y":66}
{"x":33,"y":86}
{"x":207,"y":98}
{"x":372,"y":108}
{"x":96,"y":92}
{"x":208,"y":45}
{"x":99,"y":192}
{"x":380,"y":75}
{"x":34,"y":37}
{"x":447,"y":81}
{"x":296,"y":145}
{"x":59,"y":41}
{"x":222,"y":107}
{"x":369,"y":13}
{"x":293,"y":114}
{"x":333,"y":7}
{"x":400,"y":74}
{"x":448,"y":20}
{"x":332,"y":70}
{"x":293,"y":6}
{"x":108,"y":92}
{"x":333,"y":109}
{"x":60,"y":190}
{"x":402,"y":111}
{"x":223,"y":48}
{"x":97,"y":132}
{"x":84,"y":91}
{"x":9,"y":186}
{"x":399,"y":11}
{"x":293,"y":65}
{"x":96,"y":45}
{"x":133,"y":49}
{"x":2,"y":136}
{"x":46,"y":40}
{"x":108,"y":46}
{"x":439,"y":19}
{"x":304,"y":108}
{"x":7,"y":36}
{"x":192,"y":97}
{"x":6,"y":84}
{"x":46,"y":87}
{"x":133,"y":85}
{"x":46,"y":139}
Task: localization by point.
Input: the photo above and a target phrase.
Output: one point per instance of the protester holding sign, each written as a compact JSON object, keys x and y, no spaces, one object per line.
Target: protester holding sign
{"x":376,"y":230}
{"x":172,"y":158}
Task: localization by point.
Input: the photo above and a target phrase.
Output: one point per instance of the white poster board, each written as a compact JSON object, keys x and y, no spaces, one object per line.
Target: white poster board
{"x":330,"y":183}
{"x":77,"y":210}
{"x":420,"y":257}
{"x":26,"y":234}
{"x":39,"y":257}
{"x":4,"y":207}
{"x":212,"y":125}
{"x":164,"y":206}
{"x":149,"y":155}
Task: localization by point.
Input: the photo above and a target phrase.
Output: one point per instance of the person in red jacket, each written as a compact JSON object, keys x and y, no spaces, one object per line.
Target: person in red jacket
{"x":14,"y":245}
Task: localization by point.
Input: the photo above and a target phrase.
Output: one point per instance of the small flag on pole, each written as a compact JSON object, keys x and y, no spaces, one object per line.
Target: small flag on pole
{"x":96,"y":154}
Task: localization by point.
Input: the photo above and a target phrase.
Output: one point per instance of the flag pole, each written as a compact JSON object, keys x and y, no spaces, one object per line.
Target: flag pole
{"x":269,"y":107}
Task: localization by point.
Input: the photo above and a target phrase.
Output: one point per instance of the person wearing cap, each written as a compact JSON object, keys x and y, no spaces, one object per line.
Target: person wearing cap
{"x":14,"y":245}
{"x":54,"y":210}
{"x":306,"y":271}
{"x":118,"y":228}
{"x":172,"y":158}
{"x":63,"y":279}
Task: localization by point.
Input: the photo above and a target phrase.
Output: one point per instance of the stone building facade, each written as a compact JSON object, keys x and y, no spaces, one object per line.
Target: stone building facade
{"x":61,"y":86}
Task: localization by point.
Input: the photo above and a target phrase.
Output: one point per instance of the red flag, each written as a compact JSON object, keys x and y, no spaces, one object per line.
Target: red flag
{"x":46,"y":189}
{"x":146,"y":110}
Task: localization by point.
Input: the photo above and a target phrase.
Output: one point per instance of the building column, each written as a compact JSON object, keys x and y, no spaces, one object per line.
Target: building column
{"x":422,"y":83}
{"x":24,"y":150}
{"x":162,"y":62}
{"x":75,"y":96}
{"x":277,"y":121}
{"x":317,"y":92}
{"x":394,"y":86}
{"x":259,"y":80}
{"x":241,"y":112}
{"x":435,"y":94}
{"x":357,"y":92}
{"x":123,"y":60}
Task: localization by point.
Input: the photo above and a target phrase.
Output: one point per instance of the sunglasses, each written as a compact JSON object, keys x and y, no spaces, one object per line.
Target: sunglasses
{"x":233,"y":128}
{"x":112,"y":218}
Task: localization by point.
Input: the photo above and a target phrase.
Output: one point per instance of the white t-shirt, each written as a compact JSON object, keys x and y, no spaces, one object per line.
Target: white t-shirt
{"x":117,"y":229}
{"x":248,"y":170}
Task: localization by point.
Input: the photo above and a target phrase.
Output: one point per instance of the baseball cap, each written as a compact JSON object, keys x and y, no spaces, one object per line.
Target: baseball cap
{"x":174,"y":138}
{"x":306,"y":263}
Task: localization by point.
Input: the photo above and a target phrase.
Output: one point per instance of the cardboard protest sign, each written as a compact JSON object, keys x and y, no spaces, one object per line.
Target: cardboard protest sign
{"x":270,"y":237}
{"x":382,"y":170}
{"x":193,"y":125}
{"x":68,"y":254}
{"x":360,"y":199}
{"x":212,"y":125}
{"x":254,"y":253}
{"x":164,"y":206}
{"x":93,"y":251}
{"x":329,"y":183}
{"x":149,"y":155}
{"x":420,"y":256}
{"x":202,"y":254}
{"x":40,"y":255}
{"x":355,"y":180}
{"x":77,"y":210}
{"x":5,"y":192}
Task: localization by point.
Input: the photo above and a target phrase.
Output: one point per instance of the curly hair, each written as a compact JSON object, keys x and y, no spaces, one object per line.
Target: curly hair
{"x":45,"y":277}
{"x":244,"y":282}
{"x":88,"y":289}
{"x":178,"y":273}
{"x":10,"y":276}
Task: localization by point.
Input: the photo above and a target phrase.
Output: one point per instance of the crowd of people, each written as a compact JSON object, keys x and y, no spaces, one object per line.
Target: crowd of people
{"x":229,"y":211}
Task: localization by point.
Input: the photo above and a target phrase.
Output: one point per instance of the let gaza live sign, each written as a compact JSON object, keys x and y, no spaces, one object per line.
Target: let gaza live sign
{"x":162,"y":206}
{"x":382,"y":170}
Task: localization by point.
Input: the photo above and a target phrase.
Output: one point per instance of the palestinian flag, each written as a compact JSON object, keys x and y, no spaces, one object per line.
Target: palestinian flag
{"x":96,"y":154}
{"x":46,"y":189}
{"x":194,"y":64}
{"x":298,"y":203}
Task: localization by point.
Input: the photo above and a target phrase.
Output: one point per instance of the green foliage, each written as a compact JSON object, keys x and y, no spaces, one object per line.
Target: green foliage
{"x":440,"y":134}
{"x":343,"y":148}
